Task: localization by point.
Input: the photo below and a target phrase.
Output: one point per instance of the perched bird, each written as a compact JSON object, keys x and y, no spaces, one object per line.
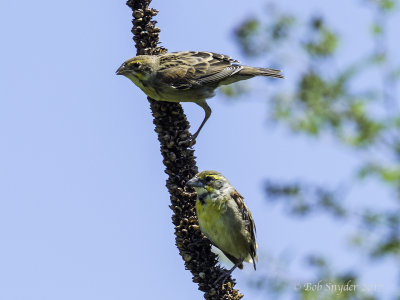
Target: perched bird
{"x":224,"y":218}
{"x":189,"y":76}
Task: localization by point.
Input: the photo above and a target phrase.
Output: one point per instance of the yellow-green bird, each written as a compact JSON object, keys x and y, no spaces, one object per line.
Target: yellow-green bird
{"x":188,"y":76}
{"x":224,"y":218}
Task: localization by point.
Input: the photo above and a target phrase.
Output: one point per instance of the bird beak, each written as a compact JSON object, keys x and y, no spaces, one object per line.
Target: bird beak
{"x":121,"y":70}
{"x":194,"y":182}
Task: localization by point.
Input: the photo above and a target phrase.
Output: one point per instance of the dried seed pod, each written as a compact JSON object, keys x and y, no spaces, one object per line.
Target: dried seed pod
{"x":149,"y":26}
{"x":166,"y":137}
{"x":186,"y":257}
{"x":194,"y":227}
{"x":154,"y":12}
{"x":183,"y":136}
{"x":212,"y":292}
{"x":172,"y":157}
{"x":138,"y":13}
{"x":174,"y":112}
{"x":163,"y":50}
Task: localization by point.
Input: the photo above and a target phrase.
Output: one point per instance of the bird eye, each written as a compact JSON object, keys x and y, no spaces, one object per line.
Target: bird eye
{"x":208,"y":178}
{"x":136,"y":65}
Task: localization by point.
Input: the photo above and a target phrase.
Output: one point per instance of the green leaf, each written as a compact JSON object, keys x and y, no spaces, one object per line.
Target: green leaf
{"x":376,"y":29}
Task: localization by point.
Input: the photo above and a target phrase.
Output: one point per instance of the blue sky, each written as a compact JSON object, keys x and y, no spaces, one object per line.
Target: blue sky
{"x":83,"y":205}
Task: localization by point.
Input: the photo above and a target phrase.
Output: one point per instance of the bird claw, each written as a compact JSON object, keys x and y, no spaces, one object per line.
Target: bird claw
{"x":223,"y":276}
{"x":192,"y":142}
{"x":188,"y":143}
{"x":228,"y":273}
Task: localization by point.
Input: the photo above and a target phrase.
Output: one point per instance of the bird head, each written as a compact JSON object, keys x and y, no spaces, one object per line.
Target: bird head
{"x":208,"y":182}
{"x":138,"y":68}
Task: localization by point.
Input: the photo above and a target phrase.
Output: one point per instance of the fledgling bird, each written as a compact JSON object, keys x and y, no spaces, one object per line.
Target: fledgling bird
{"x":188,"y":76}
{"x":224,"y":218}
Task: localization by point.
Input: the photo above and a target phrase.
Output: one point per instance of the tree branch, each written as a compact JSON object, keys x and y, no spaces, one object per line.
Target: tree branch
{"x":172,"y":127}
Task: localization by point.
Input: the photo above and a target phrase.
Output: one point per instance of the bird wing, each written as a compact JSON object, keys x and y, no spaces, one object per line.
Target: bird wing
{"x":188,"y":69}
{"x":251,"y":227}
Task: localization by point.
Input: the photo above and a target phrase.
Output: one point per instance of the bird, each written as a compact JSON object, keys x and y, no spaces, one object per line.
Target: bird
{"x":188,"y":76}
{"x":224,"y":218}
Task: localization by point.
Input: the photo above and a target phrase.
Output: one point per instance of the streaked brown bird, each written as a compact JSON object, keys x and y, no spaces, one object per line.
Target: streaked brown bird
{"x":188,"y":76}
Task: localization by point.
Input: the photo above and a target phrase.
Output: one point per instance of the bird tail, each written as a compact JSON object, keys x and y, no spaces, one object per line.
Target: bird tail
{"x":261,"y":72}
{"x":270,"y":72}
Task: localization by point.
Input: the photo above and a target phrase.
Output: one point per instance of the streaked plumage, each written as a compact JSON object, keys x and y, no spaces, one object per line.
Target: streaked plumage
{"x":224,"y":218}
{"x":189,"y":76}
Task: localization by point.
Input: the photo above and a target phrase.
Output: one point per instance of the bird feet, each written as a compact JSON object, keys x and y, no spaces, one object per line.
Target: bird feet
{"x":192,"y":142}
{"x":188,"y":143}
{"x":227,"y":273}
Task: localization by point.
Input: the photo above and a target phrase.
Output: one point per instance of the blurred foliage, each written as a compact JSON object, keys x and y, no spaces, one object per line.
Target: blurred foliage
{"x":234,"y":90}
{"x":302,"y":199}
{"x":323,"y":285}
{"x":329,"y":286}
{"x":321,"y":41}
{"x":249,"y":32}
{"x":384,"y":5}
{"x":357,"y":104}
